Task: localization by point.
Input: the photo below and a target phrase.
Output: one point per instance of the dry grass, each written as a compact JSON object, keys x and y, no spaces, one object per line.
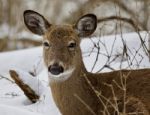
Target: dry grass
{"x":126,"y":105}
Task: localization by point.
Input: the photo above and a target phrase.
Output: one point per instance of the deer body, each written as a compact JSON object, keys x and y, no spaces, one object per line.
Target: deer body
{"x":65,"y":93}
{"x":78,"y":92}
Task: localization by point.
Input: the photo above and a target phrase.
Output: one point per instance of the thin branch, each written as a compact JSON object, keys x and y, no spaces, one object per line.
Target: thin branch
{"x":2,"y":77}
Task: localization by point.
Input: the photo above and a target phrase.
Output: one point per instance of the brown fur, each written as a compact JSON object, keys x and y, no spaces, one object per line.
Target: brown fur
{"x":65,"y":93}
{"x":85,"y":93}
{"x":138,"y":86}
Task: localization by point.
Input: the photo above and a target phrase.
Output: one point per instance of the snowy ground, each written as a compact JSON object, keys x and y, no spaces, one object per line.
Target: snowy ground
{"x":109,"y":48}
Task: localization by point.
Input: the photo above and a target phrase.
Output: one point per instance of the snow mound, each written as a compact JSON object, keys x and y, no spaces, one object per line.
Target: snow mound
{"x":9,"y":110}
{"x":32,"y":81}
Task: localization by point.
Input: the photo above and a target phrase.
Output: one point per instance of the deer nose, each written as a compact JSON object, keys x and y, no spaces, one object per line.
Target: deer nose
{"x":55,"y":69}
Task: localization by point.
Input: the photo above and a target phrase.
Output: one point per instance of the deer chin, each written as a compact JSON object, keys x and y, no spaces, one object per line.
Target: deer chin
{"x":62,"y":76}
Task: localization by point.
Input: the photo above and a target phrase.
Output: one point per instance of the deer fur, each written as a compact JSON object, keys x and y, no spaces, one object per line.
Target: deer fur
{"x":78,"y":92}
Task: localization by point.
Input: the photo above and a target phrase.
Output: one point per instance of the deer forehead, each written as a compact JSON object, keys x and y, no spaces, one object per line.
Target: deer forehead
{"x":64,"y":33}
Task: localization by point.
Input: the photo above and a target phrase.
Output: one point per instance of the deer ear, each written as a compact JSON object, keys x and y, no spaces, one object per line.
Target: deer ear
{"x":35,"y":22}
{"x":86,"y":25}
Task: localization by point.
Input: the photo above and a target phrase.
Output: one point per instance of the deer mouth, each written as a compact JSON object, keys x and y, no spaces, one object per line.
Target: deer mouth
{"x":60,"y":76}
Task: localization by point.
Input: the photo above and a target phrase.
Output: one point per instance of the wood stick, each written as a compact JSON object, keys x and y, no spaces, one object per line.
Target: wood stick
{"x":28,"y":91}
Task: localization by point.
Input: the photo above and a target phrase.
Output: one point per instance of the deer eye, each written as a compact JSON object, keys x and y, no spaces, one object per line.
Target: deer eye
{"x":72,"y":45}
{"x":46,"y":44}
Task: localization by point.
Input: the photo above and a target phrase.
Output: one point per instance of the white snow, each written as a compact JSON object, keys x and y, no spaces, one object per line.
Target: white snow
{"x":12,"y":99}
{"x":29,"y":60}
{"x":23,"y":59}
{"x":27,"y":34}
{"x":113,"y":46}
{"x":32,"y":81}
{"x":10,"y":110}
{"x":4,"y":30}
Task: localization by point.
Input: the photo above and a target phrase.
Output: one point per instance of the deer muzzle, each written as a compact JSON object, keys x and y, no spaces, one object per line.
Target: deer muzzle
{"x":55,"y":69}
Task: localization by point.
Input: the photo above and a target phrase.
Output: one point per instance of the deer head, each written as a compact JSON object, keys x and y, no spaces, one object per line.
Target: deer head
{"x":61,"y":43}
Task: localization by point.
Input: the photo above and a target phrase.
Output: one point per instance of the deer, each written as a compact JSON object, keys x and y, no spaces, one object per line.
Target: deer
{"x":75,"y":90}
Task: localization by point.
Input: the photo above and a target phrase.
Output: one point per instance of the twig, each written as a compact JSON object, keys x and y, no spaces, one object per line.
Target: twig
{"x":2,"y":77}
{"x":87,"y":106}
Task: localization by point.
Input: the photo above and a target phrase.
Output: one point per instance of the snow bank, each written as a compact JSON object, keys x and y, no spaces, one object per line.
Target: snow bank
{"x":23,"y":59}
{"x":9,"y":110}
{"x":112,"y":46}
{"x":12,"y":95}
{"x":32,"y":81}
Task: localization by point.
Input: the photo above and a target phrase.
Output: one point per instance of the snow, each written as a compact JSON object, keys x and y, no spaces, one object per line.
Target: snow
{"x":30,"y":60}
{"x":13,"y":97}
{"x":6,"y":110}
{"x":33,"y":82}
{"x":25,"y":34}
{"x":113,"y":46}
{"x":23,"y":59}
{"x":4,"y":30}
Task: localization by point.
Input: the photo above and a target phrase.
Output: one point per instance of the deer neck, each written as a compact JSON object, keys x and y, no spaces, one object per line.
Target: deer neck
{"x":70,"y":86}
{"x":66,"y":93}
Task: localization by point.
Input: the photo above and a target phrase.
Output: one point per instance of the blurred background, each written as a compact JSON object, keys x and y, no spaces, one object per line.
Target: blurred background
{"x":114,"y":17}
